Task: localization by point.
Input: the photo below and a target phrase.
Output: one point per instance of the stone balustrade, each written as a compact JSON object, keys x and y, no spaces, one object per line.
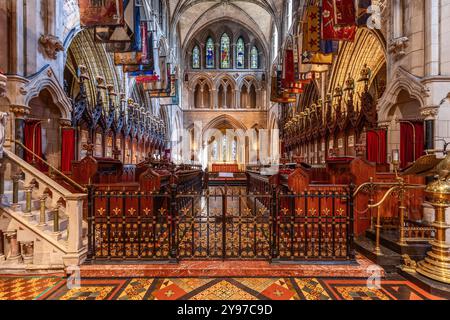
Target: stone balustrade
{"x":33,"y":191}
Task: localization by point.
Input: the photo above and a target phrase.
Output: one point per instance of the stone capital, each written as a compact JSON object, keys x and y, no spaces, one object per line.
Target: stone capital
{"x":65,"y":123}
{"x":429,"y":113}
{"x":20,"y":111}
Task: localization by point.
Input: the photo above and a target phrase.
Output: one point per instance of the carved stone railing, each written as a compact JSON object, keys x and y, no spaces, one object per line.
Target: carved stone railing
{"x":53,"y":198}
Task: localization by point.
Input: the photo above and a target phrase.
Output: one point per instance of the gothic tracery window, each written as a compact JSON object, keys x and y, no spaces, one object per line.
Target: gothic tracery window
{"x":240,"y":54}
{"x":196,"y":58}
{"x":224,"y":148}
{"x":234,"y":150}
{"x":254,"y":58}
{"x":225,"y":61}
{"x":210,"y":53}
{"x":214,"y":151}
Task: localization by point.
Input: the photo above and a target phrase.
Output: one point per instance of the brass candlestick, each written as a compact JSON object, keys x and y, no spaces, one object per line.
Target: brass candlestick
{"x":437,"y":263}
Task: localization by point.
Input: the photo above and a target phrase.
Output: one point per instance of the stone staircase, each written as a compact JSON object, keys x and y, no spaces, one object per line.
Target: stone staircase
{"x":41,"y":222}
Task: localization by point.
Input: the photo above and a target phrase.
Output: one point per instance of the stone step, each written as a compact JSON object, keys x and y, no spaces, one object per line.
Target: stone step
{"x":389,"y":239}
{"x":389,"y":260}
{"x":34,"y":216}
{"x":20,"y":207}
{"x":8,"y":184}
{"x":8,"y":196}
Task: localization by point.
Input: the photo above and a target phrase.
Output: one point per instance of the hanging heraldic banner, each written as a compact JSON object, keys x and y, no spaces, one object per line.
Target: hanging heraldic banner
{"x":143,"y":57}
{"x":330,"y":30}
{"x":344,"y":12}
{"x":123,"y":34}
{"x":101,"y":13}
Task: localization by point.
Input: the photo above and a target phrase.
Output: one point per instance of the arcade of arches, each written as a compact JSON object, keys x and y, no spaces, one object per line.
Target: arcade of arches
{"x":265,"y":131}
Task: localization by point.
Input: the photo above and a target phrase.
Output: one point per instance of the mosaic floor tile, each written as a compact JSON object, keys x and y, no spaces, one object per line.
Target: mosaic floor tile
{"x":224,"y":290}
{"x":27,"y":288}
{"x":312,"y":289}
{"x":361,"y":293}
{"x":169,"y":291}
{"x":357,"y":289}
{"x":87,"y":293}
{"x":91,"y":289}
{"x":278,"y":292}
{"x":257,"y":284}
{"x":136,"y":289}
{"x":194,"y":288}
{"x":190,"y":284}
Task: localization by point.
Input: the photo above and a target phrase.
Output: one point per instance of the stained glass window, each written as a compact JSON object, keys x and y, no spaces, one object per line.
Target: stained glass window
{"x":240,"y":53}
{"x":210,"y":53}
{"x":254,"y":58}
{"x":234,"y":151}
{"x":224,"y":148}
{"x":225,"y":61}
{"x":214,"y":155}
{"x":196,"y":58}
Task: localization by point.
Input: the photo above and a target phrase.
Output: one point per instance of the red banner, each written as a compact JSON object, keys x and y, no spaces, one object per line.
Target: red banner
{"x":288,"y":68}
{"x":344,"y":12}
{"x":101,"y":13}
{"x":147,"y":79}
{"x":331,"y":31}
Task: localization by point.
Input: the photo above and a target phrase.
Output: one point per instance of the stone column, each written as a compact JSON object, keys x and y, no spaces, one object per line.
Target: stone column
{"x":76,"y":251}
{"x":237,"y":103}
{"x":203,"y":100}
{"x":2,"y":247}
{"x":27,"y":249}
{"x":13,"y":255}
{"x":429,"y":134}
{"x":20,"y":113}
{"x":259,"y":99}
{"x":213,"y":99}
{"x":430,"y":115}
{"x":432,"y":37}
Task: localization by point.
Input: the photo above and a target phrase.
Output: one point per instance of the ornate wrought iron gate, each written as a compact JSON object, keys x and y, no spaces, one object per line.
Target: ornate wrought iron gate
{"x":221,"y":224}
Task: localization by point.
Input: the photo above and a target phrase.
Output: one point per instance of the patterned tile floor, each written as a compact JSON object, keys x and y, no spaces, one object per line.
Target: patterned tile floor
{"x":56,"y":288}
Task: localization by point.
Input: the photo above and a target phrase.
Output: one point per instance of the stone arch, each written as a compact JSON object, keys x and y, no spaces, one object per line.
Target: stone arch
{"x":46,"y":80}
{"x":211,"y":30}
{"x":403,"y":81}
{"x":183,"y":6}
{"x":224,"y":119}
{"x":368,"y":49}
{"x":248,"y":87}
{"x":216,"y":130}
{"x":226,"y":90}
{"x":201,"y":82}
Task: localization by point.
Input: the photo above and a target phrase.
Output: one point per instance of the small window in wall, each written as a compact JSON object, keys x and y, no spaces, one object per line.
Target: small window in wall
{"x":224,"y":148}
{"x":254,"y":63}
{"x":214,"y":151}
{"x":210,"y":53}
{"x":240,"y":54}
{"x":98,"y":144}
{"x":84,"y":136}
{"x":109,"y":146}
{"x":234,"y":150}
{"x":196,"y":58}
{"x":119,"y":146}
{"x":135,"y":152}
{"x":127,"y":151}
{"x":225,"y":61}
